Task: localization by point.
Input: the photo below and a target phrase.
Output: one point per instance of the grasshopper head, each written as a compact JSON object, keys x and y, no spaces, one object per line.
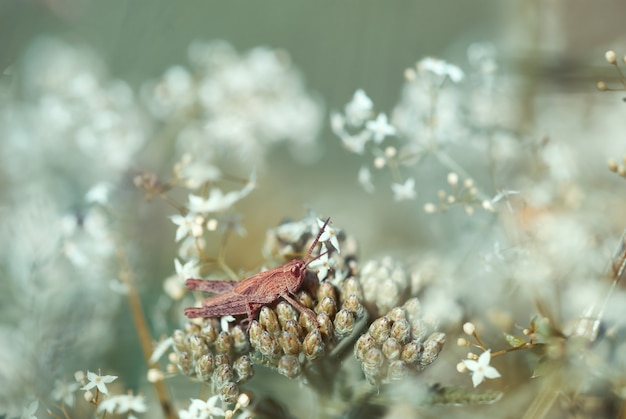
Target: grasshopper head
{"x":297,"y":271}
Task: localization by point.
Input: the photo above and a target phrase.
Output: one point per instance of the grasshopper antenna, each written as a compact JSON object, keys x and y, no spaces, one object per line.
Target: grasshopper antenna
{"x":317,"y":239}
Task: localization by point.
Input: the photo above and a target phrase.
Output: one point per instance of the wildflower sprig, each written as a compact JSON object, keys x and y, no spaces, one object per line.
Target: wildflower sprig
{"x":463,"y":193}
{"x":479,"y":365}
{"x":423,"y":125}
{"x":618,"y":168}
{"x":611,"y":58}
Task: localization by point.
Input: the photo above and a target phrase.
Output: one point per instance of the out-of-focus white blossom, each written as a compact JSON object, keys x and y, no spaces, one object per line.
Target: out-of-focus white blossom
{"x":242,"y":103}
{"x":404,"y":191}
{"x":365,"y":179}
{"x":359,"y":109}
{"x":441,"y":69}
{"x":380,"y":128}
{"x":123,"y":403}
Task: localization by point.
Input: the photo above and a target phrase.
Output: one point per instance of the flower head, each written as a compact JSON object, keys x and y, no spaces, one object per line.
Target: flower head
{"x":98,"y":381}
{"x":322,"y":263}
{"x":359,"y":108}
{"x":329,"y":235}
{"x":404,"y":191}
{"x":29,"y":412}
{"x":64,"y":392}
{"x":380,"y":128}
{"x":481,"y":368}
{"x":365,"y":179}
{"x":199,"y":409}
{"x":123,"y":403}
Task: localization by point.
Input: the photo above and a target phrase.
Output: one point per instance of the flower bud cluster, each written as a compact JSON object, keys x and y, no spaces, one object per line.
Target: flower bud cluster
{"x":396,"y":344}
{"x":285,"y":339}
{"x":214,"y":356}
{"x":385,"y":285}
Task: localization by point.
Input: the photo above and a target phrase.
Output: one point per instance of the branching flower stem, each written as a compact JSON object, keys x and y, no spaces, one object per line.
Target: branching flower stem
{"x":143,"y":332}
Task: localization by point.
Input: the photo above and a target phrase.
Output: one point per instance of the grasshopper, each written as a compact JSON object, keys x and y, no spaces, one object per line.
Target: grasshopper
{"x":248,"y":296}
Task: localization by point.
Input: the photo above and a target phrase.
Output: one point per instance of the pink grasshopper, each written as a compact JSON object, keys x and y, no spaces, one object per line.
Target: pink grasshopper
{"x":248,"y":296}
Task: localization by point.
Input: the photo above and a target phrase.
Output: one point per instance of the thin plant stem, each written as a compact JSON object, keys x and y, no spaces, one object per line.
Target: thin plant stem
{"x":145,"y":339}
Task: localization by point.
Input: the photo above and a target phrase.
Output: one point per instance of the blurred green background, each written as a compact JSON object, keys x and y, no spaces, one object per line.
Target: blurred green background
{"x":338,"y":46}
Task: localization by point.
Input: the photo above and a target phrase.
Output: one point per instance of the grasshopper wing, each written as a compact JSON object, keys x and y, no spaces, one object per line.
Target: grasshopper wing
{"x":215,"y":287}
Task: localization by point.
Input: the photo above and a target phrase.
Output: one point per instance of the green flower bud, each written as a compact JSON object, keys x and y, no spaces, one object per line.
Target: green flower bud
{"x":432,"y":347}
{"x":306,"y":322}
{"x":268,"y":345}
{"x":222,"y":374}
{"x":294,"y":328}
{"x":241,"y":344}
{"x":419,"y":329}
{"x":325,"y":326}
{"x":391,"y":349}
{"x":401,"y":331}
{"x":243,"y":368}
{"x":397,"y":371}
{"x":290,"y":343}
{"x":209,"y":332}
{"x":413,"y":309}
{"x":353,"y":305}
{"x":326,"y":289}
{"x":411,"y":352}
{"x":221,"y":359}
{"x":184,"y":363}
{"x":380,"y":329}
{"x":351,"y":286}
{"x":285,"y":312}
{"x":313,"y":345}
{"x":344,"y":323}
{"x":256,"y":330}
{"x":327,"y":305}
{"x":229,"y":392}
{"x":289,"y":366}
{"x":197,"y":346}
{"x":373,"y":363}
{"x":223,"y":343}
{"x":305,"y":299}
{"x":396,"y":313}
{"x":269,"y":320}
{"x":204,"y":367}
{"x":179,"y":340}
{"x":362,"y":345}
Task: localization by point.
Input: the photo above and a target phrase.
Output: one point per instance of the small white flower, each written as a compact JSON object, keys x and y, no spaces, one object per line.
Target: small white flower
{"x":64,"y":392}
{"x":123,"y":403}
{"x":441,"y":68}
{"x":329,"y":234}
{"x":292,"y":231}
{"x":186,"y":271}
{"x":481,"y":368}
{"x":365,"y":179}
{"x":380,"y":128}
{"x":160,"y":349}
{"x":98,"y":381}
{"x":322,"y":264}
{"x":98,"y":194}
{"x":29,"y":412}
{"x":359,"y":108}
{"x":185,"y":224}
{"x":404,"y":191}
{"x":338,"y":123}
{"x":200,"y":409}
{"x":218,"y":201}
{"x":224,"y":321}
{"x":198,"y":173}
{"x":355,"y":143}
